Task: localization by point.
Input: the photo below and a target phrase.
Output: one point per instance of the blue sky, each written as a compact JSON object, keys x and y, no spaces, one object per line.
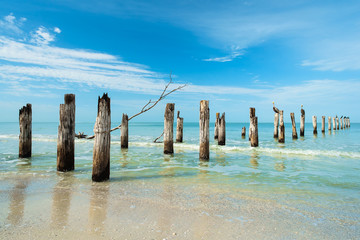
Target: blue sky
{"x":237,"y":54}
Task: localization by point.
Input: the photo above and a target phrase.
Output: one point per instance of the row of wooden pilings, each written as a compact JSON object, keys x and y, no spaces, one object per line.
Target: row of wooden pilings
{"x":102,"y":129}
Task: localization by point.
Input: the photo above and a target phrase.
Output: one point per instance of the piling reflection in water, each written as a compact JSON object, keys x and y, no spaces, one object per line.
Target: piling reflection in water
{"x":99,"y":193}
{"x":254,"y":159}
{"x":124,"y":157}
{"x":17,"y":201}
{"x":62,"y":199}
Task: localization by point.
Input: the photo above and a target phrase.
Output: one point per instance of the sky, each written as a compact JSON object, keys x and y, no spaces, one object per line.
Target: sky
{"x":236,"y":54}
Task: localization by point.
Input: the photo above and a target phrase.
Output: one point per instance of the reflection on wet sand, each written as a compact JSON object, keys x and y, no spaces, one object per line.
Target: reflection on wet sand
{"x":17,"y":200}
{"x":254,"y":159}
{"x":62,"y":192}
{"x":99,"y":193}
{"x":220,"y":158}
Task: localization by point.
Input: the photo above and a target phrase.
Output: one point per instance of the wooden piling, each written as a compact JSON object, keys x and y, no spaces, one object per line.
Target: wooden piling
{"x":323,"y":124}
{"x":276,"y":125}
{"x":124,"y":131}
{"x":329,"y":123}
{"x":302,"y":122}
{"x":216,"y":129}
{"x":314,"y":121}
{"x":66,"y":135}
{"x":221,"y":129}
{"x":253,"y":129}
{"x":179,"y":128}
{"x":341,"y":123}
{"x":204,"y":151}
{"x":334,"y":123}
{"x":101,"y":152}
{"x":349,"y":121}
{"x":243,"y":132}
{"x":337,"y":123}
{"x":25,"y":137}
{"x":294,"y":133}
{"x":169,"y":128}
{"x":281,"y":138}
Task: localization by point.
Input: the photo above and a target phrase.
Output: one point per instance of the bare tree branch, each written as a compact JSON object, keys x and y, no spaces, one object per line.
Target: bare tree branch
{"x":149,"y":105}
{"x":155,"y":141}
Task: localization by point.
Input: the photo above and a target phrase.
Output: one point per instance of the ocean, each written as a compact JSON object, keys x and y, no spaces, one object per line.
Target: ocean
{"x":317,"y":177}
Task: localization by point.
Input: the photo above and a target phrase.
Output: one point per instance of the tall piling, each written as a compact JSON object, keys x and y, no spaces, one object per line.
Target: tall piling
{"x":124,"y":131}
{"x":329,"y":123}
{"x":25,"y":137}
{"x":179,"y":128}
{"x":204,"y":151}
{"x":314,"y":122}
{"x":337,"y":123}
{"x":216,"y":129}
{"x":302,"y":122}
{"x":222,"y":131}
{"x":253,"y":129}
{"x":341,"y":122}
{"x":334,"y":123}
{"x":276,"y":125}
{"x":323,"y":124}
{"x":101,"y":152}
{"x":66,"y":135}
{"x":281,"y":138}
{"x":169,"y":128}
{"x":294,"y":133}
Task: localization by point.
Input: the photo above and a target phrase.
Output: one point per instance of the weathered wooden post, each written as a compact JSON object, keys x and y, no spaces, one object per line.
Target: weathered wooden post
{"x":314,"y":121}
{"x":276,"y":125}
{"x":124,"y":131}
{"x":25,"y":137}
{"x":253,"y":129}
{"x":216,"y":129}
{"x":334,"y":123}
{"x":341,"y":122}
{"x":281,"y":138}
{"x":169,"y":128}
{"x":221,"y":129}
{"x":329,"y":123}
{"x":179,"y":128}
{"x":337,"y":123}
{"x":302,"y":122}
{"x":243,"y":132}
{"x":204,"y":151}
{"x":349,"y":121}
{"x":294,"y":133}
{"x":323,"y":124}
{"x":101,"y":152}
{"x":66,"y":135}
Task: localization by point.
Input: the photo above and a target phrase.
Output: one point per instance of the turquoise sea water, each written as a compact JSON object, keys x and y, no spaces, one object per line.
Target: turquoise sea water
{"x":319,"y":173}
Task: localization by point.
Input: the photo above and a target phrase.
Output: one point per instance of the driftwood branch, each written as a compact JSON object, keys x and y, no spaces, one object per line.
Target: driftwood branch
{"x":149,"y":105}
{"x":155,"y":141}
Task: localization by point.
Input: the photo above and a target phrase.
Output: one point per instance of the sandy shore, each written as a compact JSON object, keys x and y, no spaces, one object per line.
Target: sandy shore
{"x":62,"y":206}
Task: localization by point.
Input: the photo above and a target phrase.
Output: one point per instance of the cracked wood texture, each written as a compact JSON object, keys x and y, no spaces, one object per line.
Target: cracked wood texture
{"x":302,"y":123}
{"x":66,"y":135}
{"x":169,"y":128}
{"x":25,"y":137}
{"x":314,"y":121}
{"x":179,"y":128}
{"x":222,"y":130}
{"x":294,"y":133}
{"x":281,"y":138}
{"x":276,"y":125}
{"x":101,"y":152}
{"x":204,"y":151}
{"x":124,"y":131}
{"x":253,"y":129}
{"x":216,"y":129}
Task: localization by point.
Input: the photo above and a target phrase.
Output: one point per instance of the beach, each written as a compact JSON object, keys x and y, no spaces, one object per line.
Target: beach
{"x":303,"y":189}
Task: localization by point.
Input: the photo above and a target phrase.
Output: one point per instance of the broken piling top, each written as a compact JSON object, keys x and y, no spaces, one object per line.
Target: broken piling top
{"x":204,"y":151}
{"x":169,"y":128}
{"x":25,"y":136}
{"x":101,"y":152}
{"x":302,"y":122}
{"x":66,"y":135}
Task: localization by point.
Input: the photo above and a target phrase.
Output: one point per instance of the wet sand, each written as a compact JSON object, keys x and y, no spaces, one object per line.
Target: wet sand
{"x":62,"y":206}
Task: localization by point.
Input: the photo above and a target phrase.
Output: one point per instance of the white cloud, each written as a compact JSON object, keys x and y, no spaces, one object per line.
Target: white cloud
{"x":57,"y":30}
{"x":227,"y":58}
{"x":42,"y":36}
{"x":9,"y":24}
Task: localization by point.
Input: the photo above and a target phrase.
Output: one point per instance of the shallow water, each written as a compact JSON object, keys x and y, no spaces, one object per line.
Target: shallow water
{"x":316,"y":175}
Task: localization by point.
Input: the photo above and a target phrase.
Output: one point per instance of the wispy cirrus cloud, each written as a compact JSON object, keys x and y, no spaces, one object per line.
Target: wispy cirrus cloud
{"x":227,"y":58}
{"x":10,"y":24}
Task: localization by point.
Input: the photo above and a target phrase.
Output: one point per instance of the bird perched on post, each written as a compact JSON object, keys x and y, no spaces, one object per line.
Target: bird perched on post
{"x":302,"y":111}
{"x":275,"y":108}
